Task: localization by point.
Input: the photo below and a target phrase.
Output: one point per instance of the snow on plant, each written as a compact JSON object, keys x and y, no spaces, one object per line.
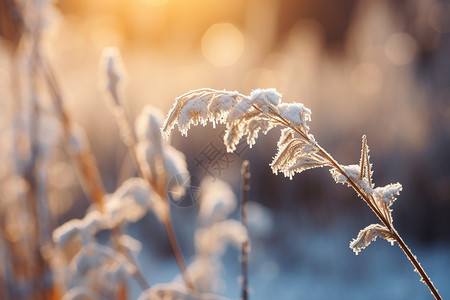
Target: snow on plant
{"x":212,"y":236}
{"x":297,"y":150}
{"x":83,"y":262}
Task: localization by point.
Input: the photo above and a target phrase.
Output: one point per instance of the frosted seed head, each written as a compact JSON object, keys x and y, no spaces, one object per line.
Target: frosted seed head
{"x":148,"y":125}
{"x":112,"y":72}
{"x":296,"y":113}
{"x":217,"y":201}
{"x":195,"y":111}
{"x":265,"y":98}
{"x":177,"y":174}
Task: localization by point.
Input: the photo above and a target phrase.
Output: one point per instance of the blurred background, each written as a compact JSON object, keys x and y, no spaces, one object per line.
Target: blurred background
{"x":380,"y":68}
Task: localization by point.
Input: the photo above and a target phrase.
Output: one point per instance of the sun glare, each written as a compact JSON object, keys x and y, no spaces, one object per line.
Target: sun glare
{"x":222,"y":44}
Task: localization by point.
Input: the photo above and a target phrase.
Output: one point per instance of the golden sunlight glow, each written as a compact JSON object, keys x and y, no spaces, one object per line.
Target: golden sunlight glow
{"x":222,"y":44}
{"x":155,"y":2}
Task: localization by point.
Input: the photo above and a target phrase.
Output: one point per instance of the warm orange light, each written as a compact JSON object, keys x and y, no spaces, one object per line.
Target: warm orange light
{"x":155,"y":2}
{"x":222,"y":44}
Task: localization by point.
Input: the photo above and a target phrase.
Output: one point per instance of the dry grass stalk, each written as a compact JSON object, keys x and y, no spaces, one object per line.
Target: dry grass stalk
{"x":40,"y":72}
{"x":297,"y":150}
{"x":245,"y":172}
{"x":113,"y":69}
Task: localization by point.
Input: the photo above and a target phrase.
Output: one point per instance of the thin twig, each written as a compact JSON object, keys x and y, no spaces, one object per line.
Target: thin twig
{"x":245,"y":172}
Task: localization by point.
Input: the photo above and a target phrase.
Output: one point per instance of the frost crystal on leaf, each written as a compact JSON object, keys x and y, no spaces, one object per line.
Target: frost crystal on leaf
{"x":388,"y":192}
{"x":296,"y":113}
{"x":368,"y":235}
{"x":264,"y":99}
{"x":244,"y":115}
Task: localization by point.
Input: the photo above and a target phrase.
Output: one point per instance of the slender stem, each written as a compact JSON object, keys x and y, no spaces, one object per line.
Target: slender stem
{"x":389,"y":225}
{"x":129,"y":139}
{"x":177,"y":254}
{"x":86,"y":163}
{"x":369,"y":201}
{"x":244,"y":259}
{"x":417,"y":265}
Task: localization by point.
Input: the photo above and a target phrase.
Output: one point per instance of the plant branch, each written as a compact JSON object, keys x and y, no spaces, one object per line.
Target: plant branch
{"x":386,"y":220}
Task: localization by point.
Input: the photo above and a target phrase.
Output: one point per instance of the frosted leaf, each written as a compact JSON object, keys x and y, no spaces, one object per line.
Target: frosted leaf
{"x":352,"y":171}
{"x":213,"y":240}
{"x":200,"y":106}
{"x":289,"y":154}
{"x":221,"y":105}
{"x":217,"y":201}
{"x":287,"y":135}
{"x":364,"y":163}
{"x":233,"y":135}
{"x":195,"y":111}
{"x":148,"y":125}
{"x":84,"y":228}
{"x":240,"y":110}
{"x":265,"y":98}
{"x":389,"y":192}
{"x":130,"y":202}
{"x":254,"y":126}
{"x":303,"y":163}
{"x":177,"y":174}
{"x":296,"y":113}
{"x":368,"y":235}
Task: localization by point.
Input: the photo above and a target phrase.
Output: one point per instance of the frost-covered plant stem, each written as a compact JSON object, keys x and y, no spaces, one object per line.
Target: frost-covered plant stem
{"x":385,"y":219}
{"x":165,"y":218}
{"x":128,"y":135}
{"x":84,"y":161}
{"x":245,"y":246}
{"x":263,"y":110}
